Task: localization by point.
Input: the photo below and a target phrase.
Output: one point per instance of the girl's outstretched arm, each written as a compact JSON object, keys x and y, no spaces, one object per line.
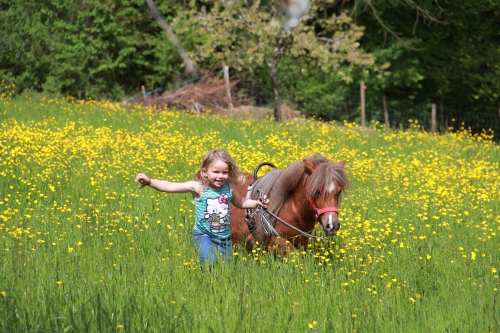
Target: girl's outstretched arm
{"x":244,"y":202}
{"x":191,"y":186}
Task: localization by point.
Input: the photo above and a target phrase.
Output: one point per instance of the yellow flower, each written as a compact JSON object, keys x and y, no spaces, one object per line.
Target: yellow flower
{"x":3,"y":293}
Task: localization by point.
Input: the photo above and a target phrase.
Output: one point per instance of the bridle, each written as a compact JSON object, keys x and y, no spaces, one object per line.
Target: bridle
{"x":319,"y":212}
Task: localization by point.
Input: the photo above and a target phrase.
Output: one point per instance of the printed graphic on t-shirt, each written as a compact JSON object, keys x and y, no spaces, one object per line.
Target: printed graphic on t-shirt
{"x":216,"y":213}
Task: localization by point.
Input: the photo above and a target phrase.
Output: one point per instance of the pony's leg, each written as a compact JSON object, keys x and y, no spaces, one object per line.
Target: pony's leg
{"x":282,"y":246}
{"x":250,"y":241}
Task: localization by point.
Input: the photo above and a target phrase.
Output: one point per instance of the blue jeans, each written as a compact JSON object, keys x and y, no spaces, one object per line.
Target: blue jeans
{"x":208,"y":248}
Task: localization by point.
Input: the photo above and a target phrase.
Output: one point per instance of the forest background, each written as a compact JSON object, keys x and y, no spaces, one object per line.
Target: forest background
{"x":409,"y":54}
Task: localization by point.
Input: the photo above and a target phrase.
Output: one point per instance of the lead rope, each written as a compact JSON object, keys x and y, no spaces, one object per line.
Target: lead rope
{"x":268,"y":227}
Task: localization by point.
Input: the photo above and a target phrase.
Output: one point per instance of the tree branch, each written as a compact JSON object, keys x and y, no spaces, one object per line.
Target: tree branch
{"x":190,"y":68}
{"x":395,"y":35}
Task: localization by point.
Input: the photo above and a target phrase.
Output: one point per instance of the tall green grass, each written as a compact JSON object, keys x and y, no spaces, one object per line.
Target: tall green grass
{"x":83,"y":250}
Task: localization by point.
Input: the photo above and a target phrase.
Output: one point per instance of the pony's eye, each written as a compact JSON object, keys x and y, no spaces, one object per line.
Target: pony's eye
{"x":318,"y":193}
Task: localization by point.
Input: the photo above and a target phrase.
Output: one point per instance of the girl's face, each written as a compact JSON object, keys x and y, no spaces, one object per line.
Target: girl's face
{"x":216,"y":173}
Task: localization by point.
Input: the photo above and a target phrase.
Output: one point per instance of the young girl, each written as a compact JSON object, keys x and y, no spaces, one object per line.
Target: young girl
{"x":213,"y":188}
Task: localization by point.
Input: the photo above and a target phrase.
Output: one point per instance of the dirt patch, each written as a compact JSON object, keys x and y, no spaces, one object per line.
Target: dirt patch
{"x":258,"y":112}
{"x":211,"y":94}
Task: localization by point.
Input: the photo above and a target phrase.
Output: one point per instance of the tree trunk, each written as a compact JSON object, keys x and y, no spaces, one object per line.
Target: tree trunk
{"x":276,"y":91}
{"x":283,"y":45}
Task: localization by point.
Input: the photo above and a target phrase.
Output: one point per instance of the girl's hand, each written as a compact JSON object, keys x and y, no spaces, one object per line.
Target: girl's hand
{"x":264,"y":202}
{"x":143,"y":179}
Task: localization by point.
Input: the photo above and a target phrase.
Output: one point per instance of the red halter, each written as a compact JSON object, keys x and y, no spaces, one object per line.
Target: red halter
{"x":318,"y":212}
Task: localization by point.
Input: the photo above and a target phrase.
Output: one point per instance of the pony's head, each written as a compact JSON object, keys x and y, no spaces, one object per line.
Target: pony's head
{"x":325,"y":184}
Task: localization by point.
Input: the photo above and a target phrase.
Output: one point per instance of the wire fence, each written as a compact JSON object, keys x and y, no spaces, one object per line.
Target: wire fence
{"x":447,"y":118}
{"x":348,"y":107}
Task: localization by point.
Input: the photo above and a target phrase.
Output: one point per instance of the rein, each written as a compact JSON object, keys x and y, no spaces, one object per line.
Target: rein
{"x":268,"y":227}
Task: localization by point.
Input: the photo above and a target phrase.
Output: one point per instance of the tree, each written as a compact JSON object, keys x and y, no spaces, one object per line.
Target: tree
{"x":443,"y":52}
{"x":248,"y":34}
{"x":393,"y":37}
{"x":99,"y":49}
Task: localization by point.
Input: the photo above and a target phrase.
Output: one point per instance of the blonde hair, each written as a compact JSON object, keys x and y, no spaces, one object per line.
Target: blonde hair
{"x":235,"y":175}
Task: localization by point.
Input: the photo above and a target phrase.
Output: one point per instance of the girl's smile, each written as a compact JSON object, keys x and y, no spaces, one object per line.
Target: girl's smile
{"x":217,"y":174}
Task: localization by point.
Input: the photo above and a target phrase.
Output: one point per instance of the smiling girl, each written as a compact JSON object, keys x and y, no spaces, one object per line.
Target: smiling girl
{"x":213,"y":188}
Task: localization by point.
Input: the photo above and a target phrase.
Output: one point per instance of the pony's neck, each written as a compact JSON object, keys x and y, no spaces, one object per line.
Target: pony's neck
{"x":303,"y":205}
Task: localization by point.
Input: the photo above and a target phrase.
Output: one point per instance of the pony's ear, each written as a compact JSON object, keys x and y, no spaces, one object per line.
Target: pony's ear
{"x":308,"y":166}
{"x":342,"y":162}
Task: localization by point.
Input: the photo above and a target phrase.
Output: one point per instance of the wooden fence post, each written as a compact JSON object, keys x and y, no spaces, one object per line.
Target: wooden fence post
{"x":386,"y":113}
{"x":144,"y":93}
{"x":433,"y":118}
{"x":226,"y":78}
{"x":362,"y":96}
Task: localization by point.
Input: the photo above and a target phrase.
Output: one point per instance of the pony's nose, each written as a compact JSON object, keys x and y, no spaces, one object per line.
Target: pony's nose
{"x":331,"y":228}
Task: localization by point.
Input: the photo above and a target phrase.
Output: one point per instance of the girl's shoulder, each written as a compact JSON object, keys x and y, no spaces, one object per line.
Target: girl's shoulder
{"x":228,"y":186}
{"x":232,"y":188}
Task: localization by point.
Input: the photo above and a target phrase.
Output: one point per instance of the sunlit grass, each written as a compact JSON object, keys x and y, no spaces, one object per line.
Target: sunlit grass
{"x":82,"y":249}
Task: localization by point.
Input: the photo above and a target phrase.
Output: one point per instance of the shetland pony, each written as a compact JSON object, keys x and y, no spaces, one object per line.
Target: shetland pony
{"x":306,"y":192}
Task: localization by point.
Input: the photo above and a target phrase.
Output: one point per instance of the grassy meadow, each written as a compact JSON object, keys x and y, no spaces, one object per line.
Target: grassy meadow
{"x":82,"y":249}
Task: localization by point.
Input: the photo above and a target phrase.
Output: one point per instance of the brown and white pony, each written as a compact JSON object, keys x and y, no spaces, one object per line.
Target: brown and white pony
{"x":306,"y":192}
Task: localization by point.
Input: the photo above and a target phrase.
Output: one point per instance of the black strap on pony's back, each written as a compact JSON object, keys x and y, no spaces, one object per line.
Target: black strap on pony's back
{"x":249,"y":213}
{"x":256,"y":171}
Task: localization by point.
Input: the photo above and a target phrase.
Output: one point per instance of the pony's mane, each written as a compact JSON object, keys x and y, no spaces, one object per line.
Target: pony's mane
{"x":279,"y":185}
